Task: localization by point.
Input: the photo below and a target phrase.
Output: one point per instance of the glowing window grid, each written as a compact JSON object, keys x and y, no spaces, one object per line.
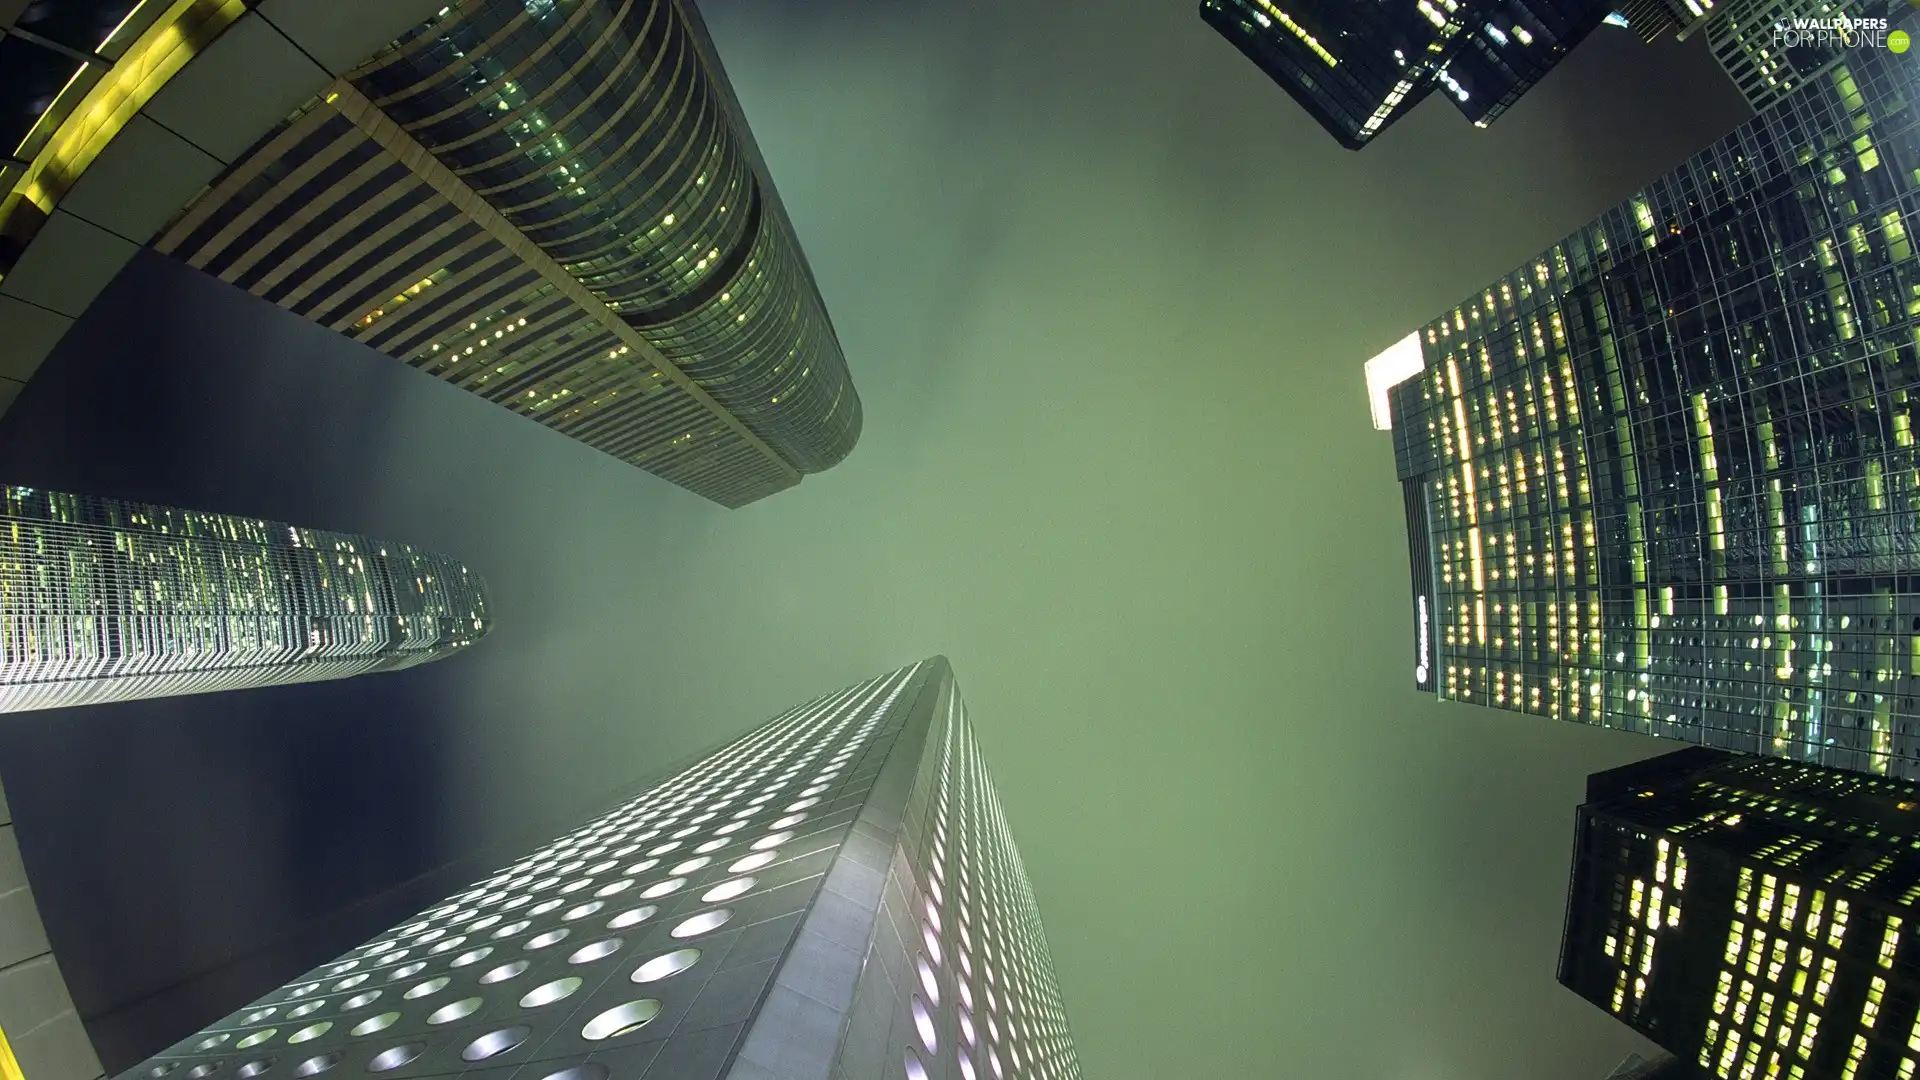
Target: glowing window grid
{"x":1670,"y":473}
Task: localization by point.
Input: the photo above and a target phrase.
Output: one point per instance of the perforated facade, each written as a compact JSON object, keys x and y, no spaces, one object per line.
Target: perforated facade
{"x":834,"y":895}
{"x":103,"y":600}
{"x":1663,"y":477}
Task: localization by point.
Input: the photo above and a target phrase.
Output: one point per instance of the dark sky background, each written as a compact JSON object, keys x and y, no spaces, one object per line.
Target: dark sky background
{"x":1106,"y":293}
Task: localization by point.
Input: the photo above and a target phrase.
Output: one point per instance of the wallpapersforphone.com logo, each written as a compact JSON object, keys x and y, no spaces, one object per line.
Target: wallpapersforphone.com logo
{"x":1840,"y":31}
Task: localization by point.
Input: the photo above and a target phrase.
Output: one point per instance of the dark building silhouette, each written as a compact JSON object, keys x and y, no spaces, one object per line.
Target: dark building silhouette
{"x":1655,"y":19}
{"x":835,"y":894}
{"x":1358,"y":67}
{"x":557,"y":207}
{"x":1753,"y":916}
{"x":1663,"y":477}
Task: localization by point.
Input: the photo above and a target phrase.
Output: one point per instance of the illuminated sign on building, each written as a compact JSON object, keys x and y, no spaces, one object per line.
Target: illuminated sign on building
{"x":1421,"y":669}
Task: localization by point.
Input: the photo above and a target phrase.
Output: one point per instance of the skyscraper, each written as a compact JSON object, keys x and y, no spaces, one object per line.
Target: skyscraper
{"x":1753,"y":916}
{"x":1753,"y":41}
{"x":1650,"y":19}
{"x":1515,"y":45}
{"x":835,"y":894}
{"x":1358,"y":67}
{"x":1663,"y":476}
{"x":103,"y":600}
{"x":560,"y":208}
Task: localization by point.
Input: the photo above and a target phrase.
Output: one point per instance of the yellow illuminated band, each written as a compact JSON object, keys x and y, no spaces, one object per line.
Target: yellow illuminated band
{"x":155,"y":56}
{"x":9,"y":1066}
{"x":1299,"y":31}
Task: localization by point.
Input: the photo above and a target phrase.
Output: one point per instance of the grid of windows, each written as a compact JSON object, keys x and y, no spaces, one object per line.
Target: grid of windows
{"x":1669,"y":465}
{"x":1356,"y":68}
{"x":1766,"y":66}
{"x":646,"y":944}
{"x":102,"y":600}
{"x":1793,"y":957}
{"x":550,"y":206}
{"x":600,"y":133}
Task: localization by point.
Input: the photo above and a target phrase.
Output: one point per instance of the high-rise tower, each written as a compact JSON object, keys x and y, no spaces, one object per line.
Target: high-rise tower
{"x":1663,"y":477}
{"x":833,"y":895}
{"x":1758,"y":47}
{"x":1753,"y":916}
{"x":559,"y":207}
{"x":1358,"y":67}
{"x":103,"y":600}
{"x":1663,"y":1067}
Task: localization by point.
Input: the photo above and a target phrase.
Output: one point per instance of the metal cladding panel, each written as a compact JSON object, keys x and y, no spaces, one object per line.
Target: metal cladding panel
{"x":200,"y":104}
{"x":341,"y":33}
{"x":69,"y":263}
{"x":104,"y":600}
{"x":36,"y":1012}
{"x":140,"y":180}
{"x":27,"y":334}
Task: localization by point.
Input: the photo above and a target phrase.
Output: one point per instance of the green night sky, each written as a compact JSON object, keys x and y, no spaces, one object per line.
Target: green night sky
{"x":1106,"y":293}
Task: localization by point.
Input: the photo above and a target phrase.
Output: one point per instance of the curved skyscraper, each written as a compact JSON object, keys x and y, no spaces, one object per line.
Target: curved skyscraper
{"x":103,"y":600}
{"x":557,"y":206}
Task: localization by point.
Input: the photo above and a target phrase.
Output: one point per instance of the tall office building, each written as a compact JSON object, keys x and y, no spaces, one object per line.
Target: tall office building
{"x":1756,"y":45}
{"x":834,"y":895}
{"x":1517,"y":43}
{"x":1753,"y":916}
{"x":103,"y":600}
{"x":1358,"y":67}
{"x":559,"y":207}
{"x":1663,"y":477}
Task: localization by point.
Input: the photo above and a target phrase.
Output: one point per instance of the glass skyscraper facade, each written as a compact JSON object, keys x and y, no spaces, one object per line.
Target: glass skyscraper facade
{"x":1753,"y":916}
{"x":102,"y":600}
{"x":1767,"y":65}
{"x":555,"y":206}
{"x":1358,"y":67}
{"x":1663,"y":477}
{"x":833,"y":895}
